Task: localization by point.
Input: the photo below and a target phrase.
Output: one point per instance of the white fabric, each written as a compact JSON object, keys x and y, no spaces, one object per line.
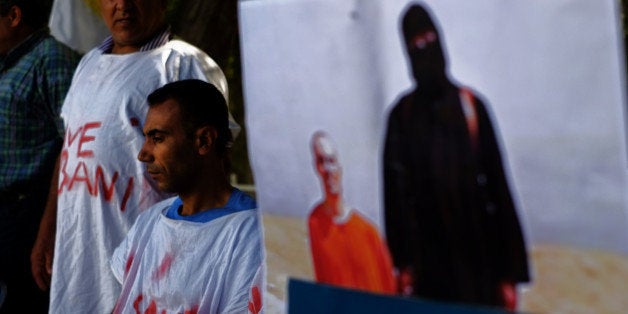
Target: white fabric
{"x":74,"y":23}
{"x":177,"y":266}
{"x":102,"y":185}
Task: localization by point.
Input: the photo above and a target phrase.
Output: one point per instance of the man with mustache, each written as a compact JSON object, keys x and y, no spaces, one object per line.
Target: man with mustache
{"x":101,"y":187}
{"x":200,"y":251}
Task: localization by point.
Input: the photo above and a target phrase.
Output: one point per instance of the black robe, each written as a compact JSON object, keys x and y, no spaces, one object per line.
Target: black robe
{"x":449,"y":213}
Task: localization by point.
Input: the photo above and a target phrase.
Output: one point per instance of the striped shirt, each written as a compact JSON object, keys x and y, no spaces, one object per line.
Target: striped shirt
{"x":34,"y":79}
{"x":157,"y":41}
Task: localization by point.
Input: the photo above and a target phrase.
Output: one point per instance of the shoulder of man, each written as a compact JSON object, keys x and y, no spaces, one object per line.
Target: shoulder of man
{"x":53,"y":48}
{"x":156,"y":209}
{"x":178,"y":44}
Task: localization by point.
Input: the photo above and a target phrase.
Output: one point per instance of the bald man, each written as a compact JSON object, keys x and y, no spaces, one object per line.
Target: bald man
{"x":347,"y":249}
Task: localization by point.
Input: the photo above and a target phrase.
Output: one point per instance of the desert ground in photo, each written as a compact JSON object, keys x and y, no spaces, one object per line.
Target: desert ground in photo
{"x":565,"y":279}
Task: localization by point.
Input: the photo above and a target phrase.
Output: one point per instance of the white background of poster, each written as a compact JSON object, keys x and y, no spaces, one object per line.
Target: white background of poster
{"x":552,"y":73}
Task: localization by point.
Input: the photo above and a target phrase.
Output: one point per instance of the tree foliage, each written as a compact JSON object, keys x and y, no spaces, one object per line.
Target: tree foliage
{"x":212,"y":25}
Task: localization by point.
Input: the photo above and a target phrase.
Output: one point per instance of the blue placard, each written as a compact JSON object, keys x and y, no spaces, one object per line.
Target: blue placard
{"x":306,"y":297}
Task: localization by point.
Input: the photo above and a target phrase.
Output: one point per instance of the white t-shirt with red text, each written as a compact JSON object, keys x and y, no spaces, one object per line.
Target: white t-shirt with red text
{"x":102,"y":186}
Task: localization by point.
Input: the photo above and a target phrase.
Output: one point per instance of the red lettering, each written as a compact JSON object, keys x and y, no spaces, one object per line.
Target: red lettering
{"x":84,"y":178}
{"x":81,"y":174}
{"x":193,"y":310}
{"x":108,"y":190}
{"x":98,"y":184}
{"x":163,"y":267}
{"x":127,"y":194}
{"x":63,"y":175}
{"x":136,"y":304}
{"x":84,"y":139}
{"x":129,"y":262}
{"x":69,"y":138}
{"x":255,"y":304}
{"x":152,"y":308}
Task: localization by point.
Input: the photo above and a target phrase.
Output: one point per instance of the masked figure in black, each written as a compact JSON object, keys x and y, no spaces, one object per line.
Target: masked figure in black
{"x":451,"y":224}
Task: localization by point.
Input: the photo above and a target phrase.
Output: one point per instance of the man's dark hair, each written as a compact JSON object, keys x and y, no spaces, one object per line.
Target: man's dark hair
{"x":201,"y":104}
{"x":35,"y":13}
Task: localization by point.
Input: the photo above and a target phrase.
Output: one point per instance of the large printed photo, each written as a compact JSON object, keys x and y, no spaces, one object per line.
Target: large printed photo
{"x":466,"y":152}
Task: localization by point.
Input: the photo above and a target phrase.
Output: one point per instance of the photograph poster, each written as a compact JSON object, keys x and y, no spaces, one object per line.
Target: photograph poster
{"x":505,"y":119}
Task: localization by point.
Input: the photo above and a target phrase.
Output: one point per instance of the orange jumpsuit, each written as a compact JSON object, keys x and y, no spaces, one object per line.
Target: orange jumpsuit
{"x":350,"y":253}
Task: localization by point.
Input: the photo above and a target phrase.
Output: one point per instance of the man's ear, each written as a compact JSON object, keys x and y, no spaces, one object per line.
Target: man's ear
{"x":15,"y":15}
{"x":205,"y":138}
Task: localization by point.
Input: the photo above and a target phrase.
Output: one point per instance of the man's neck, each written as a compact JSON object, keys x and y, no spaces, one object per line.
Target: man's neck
{"x":199,"y":201}
{"x":124,"y":49}
{"x":156,"y":39}
{"x":333,"y":205}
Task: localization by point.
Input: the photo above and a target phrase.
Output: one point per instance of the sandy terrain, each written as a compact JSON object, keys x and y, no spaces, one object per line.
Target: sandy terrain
{"x":565,"y":279}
